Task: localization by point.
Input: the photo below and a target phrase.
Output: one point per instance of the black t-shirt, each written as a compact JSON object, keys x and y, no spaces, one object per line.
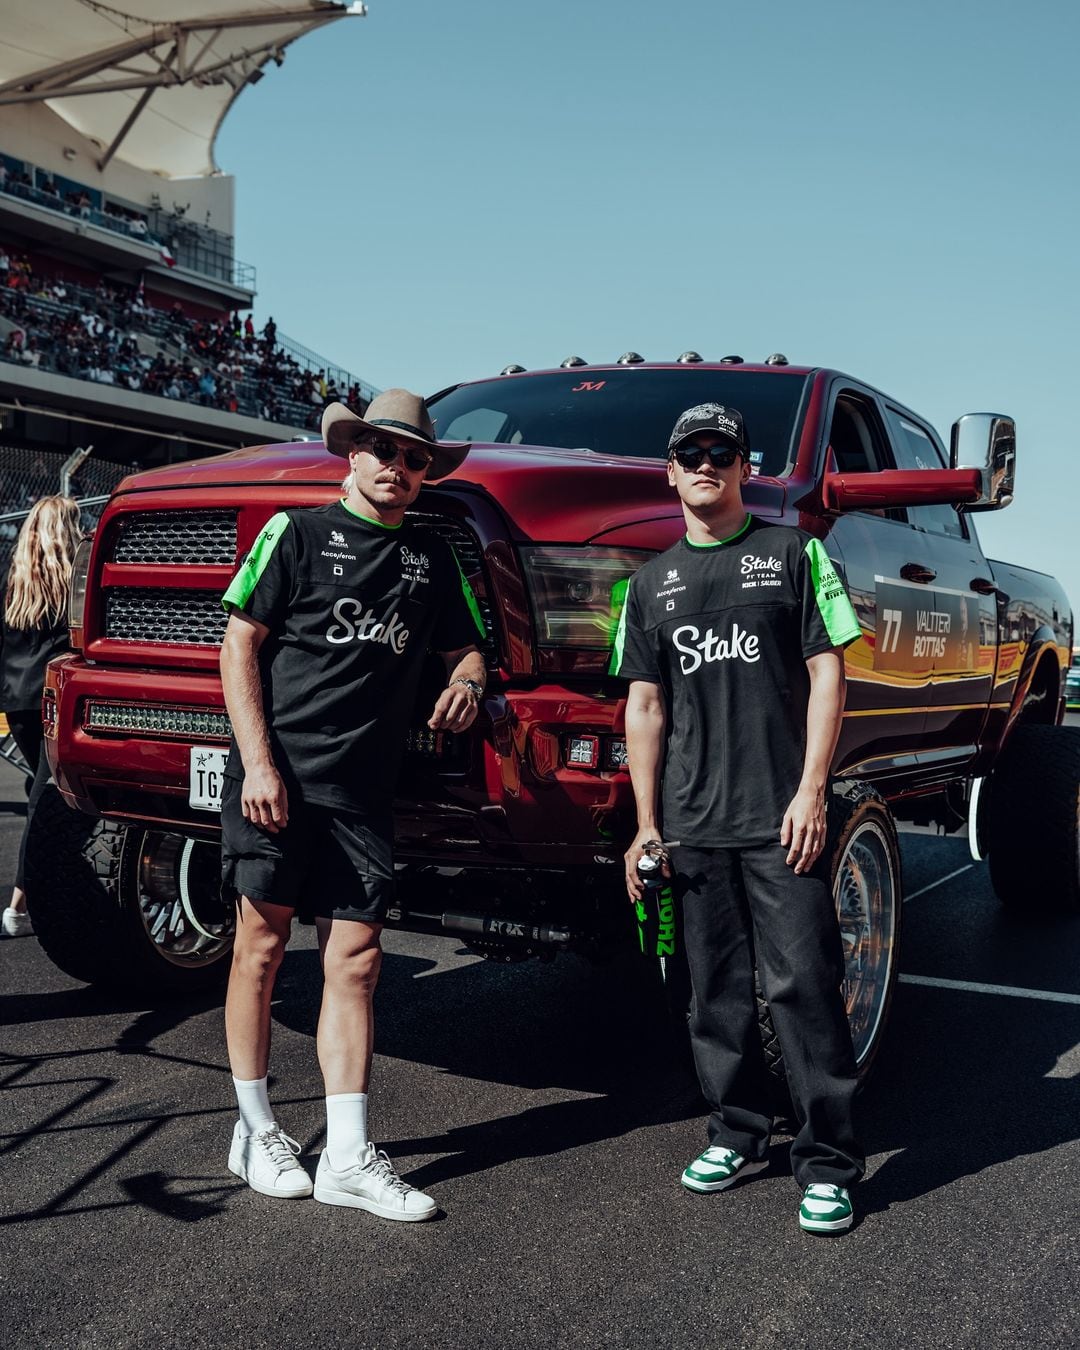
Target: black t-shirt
{"x":352,"y":607}
{"x":725,"y":629}
{"x":24,"y":654}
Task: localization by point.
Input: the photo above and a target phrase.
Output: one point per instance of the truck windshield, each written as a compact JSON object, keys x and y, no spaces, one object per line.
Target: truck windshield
{"x":624,"y":412}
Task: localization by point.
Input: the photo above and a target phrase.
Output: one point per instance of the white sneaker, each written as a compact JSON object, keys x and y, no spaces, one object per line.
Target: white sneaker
{"x":267,"y":1162}
{"x":371,"y":1183}
{"x":16,"y":923}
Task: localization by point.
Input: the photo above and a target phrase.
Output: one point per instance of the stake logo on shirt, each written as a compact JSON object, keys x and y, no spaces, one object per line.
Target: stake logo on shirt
{"x":390,"y":631}
{"x":414,"y":565}
{"x":739,"y":645}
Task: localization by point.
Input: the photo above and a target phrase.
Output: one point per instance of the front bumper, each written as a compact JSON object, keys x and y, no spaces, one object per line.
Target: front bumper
{"x":506,"y":799}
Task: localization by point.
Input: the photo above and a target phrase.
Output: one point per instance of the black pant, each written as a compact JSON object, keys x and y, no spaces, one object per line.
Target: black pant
{"x":745,"y":905}
{"x":29,"y":737}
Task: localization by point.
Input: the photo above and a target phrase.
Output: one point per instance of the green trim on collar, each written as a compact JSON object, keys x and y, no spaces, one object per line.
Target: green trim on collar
{"x":380,"y":523}
{"x":718,"y":542}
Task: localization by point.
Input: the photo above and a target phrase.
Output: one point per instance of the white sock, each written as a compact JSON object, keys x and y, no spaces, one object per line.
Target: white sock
{"x":346,"y":1128}
{"x":255,"y":1112}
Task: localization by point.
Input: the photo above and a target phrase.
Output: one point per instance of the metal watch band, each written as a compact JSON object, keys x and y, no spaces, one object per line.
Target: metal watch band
{"x":473,"y":686}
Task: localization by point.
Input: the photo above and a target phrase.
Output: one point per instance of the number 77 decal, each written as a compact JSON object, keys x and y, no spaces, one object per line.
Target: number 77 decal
{"x":892,"y":618}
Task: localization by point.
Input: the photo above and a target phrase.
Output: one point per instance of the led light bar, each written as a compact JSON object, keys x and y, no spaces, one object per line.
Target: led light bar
{"x":157,"y":720}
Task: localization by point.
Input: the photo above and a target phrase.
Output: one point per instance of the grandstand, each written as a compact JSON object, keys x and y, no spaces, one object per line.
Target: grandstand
{"x":126,"y":320}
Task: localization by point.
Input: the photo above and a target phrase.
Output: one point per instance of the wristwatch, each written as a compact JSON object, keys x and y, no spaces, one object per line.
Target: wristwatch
{"x":473,"y":686}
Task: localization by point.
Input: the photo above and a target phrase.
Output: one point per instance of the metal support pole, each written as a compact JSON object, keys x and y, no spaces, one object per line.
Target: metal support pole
{"x":70,"y":468}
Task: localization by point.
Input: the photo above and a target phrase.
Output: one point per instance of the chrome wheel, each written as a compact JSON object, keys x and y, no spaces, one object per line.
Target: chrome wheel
{"x":866,"y":893}
{"x":178,"y":883}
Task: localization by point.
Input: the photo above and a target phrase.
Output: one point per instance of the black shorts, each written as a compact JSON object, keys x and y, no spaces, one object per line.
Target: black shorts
{"x":326,"y":863}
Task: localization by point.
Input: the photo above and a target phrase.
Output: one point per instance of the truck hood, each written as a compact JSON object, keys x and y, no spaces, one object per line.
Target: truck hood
{"x":543,"y":491}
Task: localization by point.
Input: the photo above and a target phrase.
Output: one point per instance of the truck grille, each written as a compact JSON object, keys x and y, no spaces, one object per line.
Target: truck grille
{"x":183,"y":617}
{"x":467,"y":547}
{"x":178,"y":617}
{"x":177,"y":537}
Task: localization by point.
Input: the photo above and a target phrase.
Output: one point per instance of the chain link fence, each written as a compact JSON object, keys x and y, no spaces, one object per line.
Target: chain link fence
{"x":26,"y":475}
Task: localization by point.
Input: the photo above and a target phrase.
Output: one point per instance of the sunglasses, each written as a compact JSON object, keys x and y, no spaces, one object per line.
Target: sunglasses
{"x":387,"y":451}
{"x":719,"y":456}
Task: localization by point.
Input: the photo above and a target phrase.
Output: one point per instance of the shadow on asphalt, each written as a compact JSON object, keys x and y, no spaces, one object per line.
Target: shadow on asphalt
{"x":965,"y":1082}
{"x":968,"y":1082}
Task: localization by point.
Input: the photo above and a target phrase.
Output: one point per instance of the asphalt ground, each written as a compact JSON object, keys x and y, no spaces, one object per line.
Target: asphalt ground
{"x":543,"y":1109}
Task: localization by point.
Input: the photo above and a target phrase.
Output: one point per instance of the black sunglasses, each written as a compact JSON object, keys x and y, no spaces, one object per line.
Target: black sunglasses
{"x":387,"y":451}
{"x":720,"y":456}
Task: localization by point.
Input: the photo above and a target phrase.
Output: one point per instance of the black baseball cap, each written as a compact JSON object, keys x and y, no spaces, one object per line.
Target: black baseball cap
{"x":714,"y":417}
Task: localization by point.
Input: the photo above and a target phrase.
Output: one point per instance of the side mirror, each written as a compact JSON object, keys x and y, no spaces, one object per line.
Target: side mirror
{"x":987,"y":442}
{"x":900,"y":487}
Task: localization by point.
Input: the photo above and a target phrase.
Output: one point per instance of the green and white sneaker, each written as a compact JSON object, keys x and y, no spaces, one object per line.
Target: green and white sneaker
{"x":825,"y":1209}
{"x":718,"y":1168}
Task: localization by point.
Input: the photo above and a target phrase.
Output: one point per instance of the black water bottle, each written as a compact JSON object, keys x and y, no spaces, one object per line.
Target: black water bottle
{"x":656,"y":908}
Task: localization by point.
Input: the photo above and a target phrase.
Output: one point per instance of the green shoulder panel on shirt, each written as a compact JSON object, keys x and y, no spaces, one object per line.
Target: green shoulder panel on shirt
{"x":619,"y":597}
{"x":253,"y":566}
{"x":470,"y":600}
{"x":835,"y":608}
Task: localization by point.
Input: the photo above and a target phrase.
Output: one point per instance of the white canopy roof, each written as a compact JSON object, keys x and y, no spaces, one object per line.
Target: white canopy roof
{"x":149,"y":81}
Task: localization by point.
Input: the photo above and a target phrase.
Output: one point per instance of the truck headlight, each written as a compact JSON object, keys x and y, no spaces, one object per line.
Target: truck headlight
{"x":80,"y":571}
{"x":577,"y":593}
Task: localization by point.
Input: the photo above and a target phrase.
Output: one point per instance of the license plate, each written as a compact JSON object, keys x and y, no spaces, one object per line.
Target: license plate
{"x":207,"y":777}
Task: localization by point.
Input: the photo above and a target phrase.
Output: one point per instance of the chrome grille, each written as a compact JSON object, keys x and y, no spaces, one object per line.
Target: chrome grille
{"x":178,"y":617}
{"x":177,"y":537}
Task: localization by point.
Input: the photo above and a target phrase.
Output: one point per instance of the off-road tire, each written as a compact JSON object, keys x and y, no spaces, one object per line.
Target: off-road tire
{"x":84,"y":905}
{"x":1034,"y":830}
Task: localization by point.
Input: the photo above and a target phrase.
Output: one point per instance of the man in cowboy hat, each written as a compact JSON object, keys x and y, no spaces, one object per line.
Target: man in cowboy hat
{"x":330,"y":616}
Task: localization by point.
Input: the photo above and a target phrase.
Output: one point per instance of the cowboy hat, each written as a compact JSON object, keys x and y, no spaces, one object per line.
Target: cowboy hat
{"x":399,"y":415}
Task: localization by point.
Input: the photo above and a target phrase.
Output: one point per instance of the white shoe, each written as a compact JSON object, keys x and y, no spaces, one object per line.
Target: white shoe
{"x":16,"y":923}
{"x":267,"y":1162}
{"x":371,"y":1183}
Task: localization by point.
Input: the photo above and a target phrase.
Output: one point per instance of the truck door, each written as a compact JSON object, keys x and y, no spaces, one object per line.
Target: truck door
{"x":954,"y":609}
{"x":883,"y":563}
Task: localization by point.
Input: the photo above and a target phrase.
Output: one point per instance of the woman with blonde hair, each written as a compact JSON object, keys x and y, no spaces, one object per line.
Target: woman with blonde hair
{"x":33,"y":630}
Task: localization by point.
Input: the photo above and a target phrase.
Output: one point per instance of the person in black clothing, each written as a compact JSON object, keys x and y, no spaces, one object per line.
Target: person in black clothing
{"x":33,"y":631}
{"x":331,"y":615}
{"x":733,"y":642}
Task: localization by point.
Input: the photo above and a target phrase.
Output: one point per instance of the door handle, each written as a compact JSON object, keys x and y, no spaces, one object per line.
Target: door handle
{"x":917,"y":572}
{"x":983,"y":586}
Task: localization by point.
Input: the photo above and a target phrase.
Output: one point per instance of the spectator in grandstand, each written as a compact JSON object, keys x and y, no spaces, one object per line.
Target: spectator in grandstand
{"x":33,"y":630}
{"x":270,"y":333}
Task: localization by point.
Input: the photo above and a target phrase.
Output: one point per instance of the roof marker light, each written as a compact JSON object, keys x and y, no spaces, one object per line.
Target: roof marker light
{"x":630,"y":359}
{"x":512,"y":370}
{"x":690,"y":358}
{"x":777,"y":359}
{"x":731,"y":360}
{"x":572,"y":361}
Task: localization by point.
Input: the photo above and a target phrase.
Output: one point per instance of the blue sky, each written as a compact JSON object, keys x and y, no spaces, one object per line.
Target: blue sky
{"x":442,"y":188}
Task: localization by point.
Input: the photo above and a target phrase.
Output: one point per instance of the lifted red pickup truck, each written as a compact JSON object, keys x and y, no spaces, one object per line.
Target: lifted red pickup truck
{"x":511,"y":836}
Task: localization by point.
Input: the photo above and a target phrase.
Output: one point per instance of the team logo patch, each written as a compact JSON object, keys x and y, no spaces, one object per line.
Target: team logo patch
{"x":760,"y":571}
{"x":336,"y":537}
{"x":673,"y":575}
{"x":414,"y":565}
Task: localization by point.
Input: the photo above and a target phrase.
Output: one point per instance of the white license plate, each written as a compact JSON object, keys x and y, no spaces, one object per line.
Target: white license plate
{"x":207,"y":777}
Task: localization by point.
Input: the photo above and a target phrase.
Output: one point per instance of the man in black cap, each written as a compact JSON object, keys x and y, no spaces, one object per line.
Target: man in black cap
{"x":330,"y":616}
{"x":733,"y":642}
